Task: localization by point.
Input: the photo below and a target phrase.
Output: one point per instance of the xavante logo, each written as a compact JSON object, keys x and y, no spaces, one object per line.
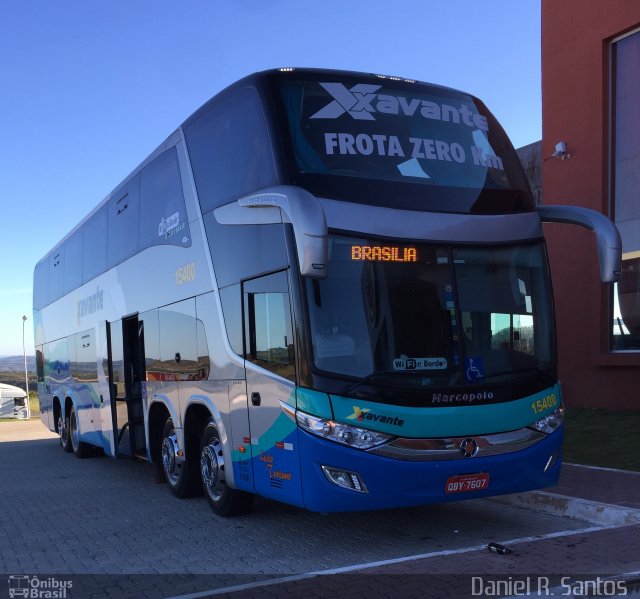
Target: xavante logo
{"x":356,"y":101}
{"x":90,"y":304}
{"x":361,"y":102}
{"x":362,"y":414}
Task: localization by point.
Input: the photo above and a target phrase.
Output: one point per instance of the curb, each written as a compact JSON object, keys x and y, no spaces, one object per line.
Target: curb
{"x":603,"y":469}
{"x":595,"y":512}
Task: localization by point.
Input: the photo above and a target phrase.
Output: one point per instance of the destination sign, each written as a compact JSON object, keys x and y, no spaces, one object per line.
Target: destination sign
{"x":384,"y":253}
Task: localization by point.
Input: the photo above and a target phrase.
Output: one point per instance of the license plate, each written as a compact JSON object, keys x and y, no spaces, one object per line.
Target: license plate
{"x":464,"y":483}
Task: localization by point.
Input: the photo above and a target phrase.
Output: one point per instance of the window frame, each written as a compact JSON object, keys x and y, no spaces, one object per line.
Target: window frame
{"x":276,"y":282}
{"x":609,"y":294}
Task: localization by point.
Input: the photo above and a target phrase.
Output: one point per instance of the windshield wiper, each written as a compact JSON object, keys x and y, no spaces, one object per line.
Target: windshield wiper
{"x":545,"y":374}
{"x":351,"y":388}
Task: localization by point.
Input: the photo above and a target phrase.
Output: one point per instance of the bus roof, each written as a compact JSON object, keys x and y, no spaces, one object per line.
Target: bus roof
{"x":258,"y":80}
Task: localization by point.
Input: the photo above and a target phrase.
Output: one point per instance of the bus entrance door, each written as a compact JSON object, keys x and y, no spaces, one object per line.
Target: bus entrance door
{"x":270,"y":371}
{"x":126,"y":367}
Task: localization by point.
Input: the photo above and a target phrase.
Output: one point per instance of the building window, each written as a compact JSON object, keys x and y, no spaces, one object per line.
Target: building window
{"x":625,"y":179}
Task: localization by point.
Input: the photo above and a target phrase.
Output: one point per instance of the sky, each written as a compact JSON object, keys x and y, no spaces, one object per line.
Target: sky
{"x":89,"y":88}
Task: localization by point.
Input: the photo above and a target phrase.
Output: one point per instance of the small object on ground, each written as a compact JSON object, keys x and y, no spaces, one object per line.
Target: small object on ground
{"x":497,"y":548}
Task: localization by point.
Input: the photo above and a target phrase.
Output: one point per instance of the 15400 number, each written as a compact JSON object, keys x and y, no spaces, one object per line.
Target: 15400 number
{"x":548,"y":401}
{"x":186,"y":273}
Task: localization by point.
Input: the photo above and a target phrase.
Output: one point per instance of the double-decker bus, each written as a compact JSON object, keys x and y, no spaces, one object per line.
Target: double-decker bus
{"x":326,"y":288}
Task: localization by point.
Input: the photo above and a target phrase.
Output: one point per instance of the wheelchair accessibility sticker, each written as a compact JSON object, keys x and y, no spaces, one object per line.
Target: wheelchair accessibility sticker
{"x":473,"y":369}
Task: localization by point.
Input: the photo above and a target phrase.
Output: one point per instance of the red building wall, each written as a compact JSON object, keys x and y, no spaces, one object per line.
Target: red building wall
{"x":576,"y":36}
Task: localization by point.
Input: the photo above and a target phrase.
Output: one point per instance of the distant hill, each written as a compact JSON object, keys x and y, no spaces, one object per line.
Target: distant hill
{"x":16,"y":364}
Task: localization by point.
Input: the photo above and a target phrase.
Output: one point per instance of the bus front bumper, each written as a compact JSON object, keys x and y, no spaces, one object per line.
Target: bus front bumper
{"x":388,"y":483}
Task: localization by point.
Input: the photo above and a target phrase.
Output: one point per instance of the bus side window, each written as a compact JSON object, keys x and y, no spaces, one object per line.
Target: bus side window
{"x":268,"y":329}
{"x":122,"y":223}
{"x":41,"y":296}
{"x":204,"y":362}
{"x":231,"y":300}
{"x":40,"y":363}
{"x":163,"y":214}
{"x":178,"y":342}
{"x":73,"y":251}
{"x":84,"y":367}
{"x":230,"y":150}
{"x":56,"y":274}
{"x":151,"y":322}
{"x":94,"y":257}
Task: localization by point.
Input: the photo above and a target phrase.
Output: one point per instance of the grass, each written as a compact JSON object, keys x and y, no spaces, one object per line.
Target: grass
{"x":604,"y":438}
{"x":34,"y":404}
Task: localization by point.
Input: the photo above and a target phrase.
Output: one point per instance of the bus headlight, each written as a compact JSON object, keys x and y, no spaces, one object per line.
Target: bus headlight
{"x":346,"y":434}
{"x":549,"y":423}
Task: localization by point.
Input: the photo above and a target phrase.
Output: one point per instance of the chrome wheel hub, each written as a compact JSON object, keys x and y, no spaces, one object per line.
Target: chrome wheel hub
{"x":170,"y":462}
{"x":212,"y":469}
{"x":62,"y":431}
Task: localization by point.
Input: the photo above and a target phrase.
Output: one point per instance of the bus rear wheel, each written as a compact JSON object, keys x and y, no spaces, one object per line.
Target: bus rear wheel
{"x":224,"y":500}
{"x":63,"y":431}
{"x":80,"y":449}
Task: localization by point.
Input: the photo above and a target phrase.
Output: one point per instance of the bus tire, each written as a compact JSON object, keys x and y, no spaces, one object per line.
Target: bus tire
{"x":224,"y":500}
{"x":63,"y":432}
{"x":79,"y":448}
{"x":181,"y":474}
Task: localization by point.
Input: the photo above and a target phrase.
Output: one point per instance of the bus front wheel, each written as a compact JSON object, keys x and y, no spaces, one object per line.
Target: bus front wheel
{"x":224,"y":500}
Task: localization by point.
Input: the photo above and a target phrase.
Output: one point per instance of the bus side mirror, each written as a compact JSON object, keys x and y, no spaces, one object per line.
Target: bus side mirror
{"x":607,"y":236}
{"x":300,"y":208}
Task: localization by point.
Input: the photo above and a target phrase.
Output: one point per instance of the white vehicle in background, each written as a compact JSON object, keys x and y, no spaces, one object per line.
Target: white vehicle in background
{"x":13,"y":402}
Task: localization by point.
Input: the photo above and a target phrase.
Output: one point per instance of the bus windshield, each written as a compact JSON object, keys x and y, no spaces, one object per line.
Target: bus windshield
{"x":401,"y":144}
{"x":432,"y":316}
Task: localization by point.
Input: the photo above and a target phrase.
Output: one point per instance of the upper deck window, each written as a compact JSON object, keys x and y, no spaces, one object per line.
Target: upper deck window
{"x":230,"y":149}
{"x":401,"y":144}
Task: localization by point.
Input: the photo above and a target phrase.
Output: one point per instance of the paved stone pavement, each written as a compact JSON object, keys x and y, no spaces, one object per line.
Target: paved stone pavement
{"x":573,"y":565}
{"x":103,"y":525}
{"x":600,"y":484}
